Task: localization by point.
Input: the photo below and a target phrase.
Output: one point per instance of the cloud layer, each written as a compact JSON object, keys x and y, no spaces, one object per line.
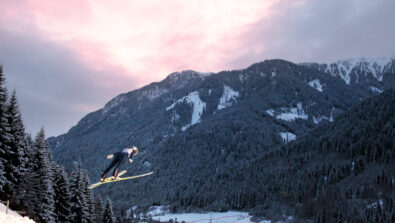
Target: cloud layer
{"x":67,"y":58}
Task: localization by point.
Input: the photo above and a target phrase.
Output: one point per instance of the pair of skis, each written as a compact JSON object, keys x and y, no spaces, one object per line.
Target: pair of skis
{"x":109,"y":180}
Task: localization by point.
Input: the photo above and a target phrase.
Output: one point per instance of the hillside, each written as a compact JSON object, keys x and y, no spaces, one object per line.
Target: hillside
{"x":191,"y":127}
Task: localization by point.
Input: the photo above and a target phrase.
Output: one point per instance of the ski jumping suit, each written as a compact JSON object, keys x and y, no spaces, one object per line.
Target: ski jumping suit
{"x":118,"y":160}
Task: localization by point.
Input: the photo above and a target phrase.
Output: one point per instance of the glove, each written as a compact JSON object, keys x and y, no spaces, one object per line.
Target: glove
{"x":130,"y":161}
{"x":110,"y":156}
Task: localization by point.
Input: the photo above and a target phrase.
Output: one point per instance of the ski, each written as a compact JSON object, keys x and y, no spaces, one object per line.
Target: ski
{"x":121,"y":179}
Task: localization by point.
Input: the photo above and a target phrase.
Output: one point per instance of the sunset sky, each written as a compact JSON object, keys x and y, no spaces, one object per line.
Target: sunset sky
{"x":66,"y":58}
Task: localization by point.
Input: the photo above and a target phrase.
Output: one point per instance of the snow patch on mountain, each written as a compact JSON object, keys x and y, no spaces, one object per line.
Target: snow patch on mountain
{"x":273,"y":74}
{"x":375,"y":89}
{"x":319,"y":119}
{"x":198,"y":107}
{"x":228,"y":97}
{"x":292,"y":113}
{"x":374,"y":66}
{"x":113,"y":103}
{"x":316,"y":84}
{"x":287,"y":136}
{"x":270,"y":112}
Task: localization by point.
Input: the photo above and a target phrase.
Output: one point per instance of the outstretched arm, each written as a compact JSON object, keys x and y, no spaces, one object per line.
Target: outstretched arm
{"x":130,"y":160}
{"x":111,"y":156}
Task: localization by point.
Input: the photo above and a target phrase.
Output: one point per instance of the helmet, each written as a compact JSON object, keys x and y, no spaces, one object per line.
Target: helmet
{"x":135,"y":150}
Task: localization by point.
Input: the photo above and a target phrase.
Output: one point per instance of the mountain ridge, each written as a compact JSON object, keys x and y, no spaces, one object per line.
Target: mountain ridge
{"x":156,"y":89}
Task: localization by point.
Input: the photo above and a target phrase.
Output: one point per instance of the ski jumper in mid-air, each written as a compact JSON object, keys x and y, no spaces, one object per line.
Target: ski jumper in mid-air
{"x":119,"y":159}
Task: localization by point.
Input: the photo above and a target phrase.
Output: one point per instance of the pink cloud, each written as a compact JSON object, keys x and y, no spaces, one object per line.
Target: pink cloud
{"x":147,"y":39}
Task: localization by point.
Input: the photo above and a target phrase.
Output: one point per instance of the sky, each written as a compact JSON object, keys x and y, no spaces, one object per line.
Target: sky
{"x":67,"y":58}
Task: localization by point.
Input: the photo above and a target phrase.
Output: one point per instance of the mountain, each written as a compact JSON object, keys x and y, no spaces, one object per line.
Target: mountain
{"x":191,"y":126}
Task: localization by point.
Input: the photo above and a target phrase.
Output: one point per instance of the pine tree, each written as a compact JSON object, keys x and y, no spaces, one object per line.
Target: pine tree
{"x":98,"y":209}
{"x":62,"y":197}
{"x":46,"y":192}
{"x":16,"y":167}
{"x":5,"y":139}
{"x":89,"y":198}
{"x":78,"y":197}
{"x":108,"y":214}
{"x":30,"y":183}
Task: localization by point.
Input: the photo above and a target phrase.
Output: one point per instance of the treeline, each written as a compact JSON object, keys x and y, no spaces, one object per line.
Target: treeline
{"x":33,"y":183}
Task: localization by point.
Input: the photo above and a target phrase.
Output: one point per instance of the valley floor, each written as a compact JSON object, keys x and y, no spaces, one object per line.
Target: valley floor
{"x":214,"y":217}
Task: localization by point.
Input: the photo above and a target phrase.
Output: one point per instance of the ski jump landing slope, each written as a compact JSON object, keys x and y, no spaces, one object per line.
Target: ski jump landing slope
{"x":12,"y":216}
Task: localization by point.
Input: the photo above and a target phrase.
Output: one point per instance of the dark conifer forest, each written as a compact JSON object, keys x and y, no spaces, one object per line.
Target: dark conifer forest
{"x":340,"y":172}
{"x":32,"y":182}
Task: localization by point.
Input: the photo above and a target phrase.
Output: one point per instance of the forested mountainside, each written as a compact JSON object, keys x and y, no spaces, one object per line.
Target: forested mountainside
{"x":192,"y":126}
{"x":343,"y":170}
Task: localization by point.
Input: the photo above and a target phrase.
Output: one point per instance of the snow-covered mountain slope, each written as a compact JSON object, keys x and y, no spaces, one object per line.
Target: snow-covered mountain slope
{"x":12,"y":216}
{"x":233,"y":116}
{"x":355,"y":70}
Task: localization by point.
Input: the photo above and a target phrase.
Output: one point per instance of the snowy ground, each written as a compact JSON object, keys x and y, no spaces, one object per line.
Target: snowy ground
{"x":214,"y":217}
{"x":12,"y":217}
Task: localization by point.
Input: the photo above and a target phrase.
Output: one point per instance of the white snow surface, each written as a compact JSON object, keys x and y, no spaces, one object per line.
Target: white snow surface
{"x":198,"y":107}
{"x":12,"y":216}
{"x":227,"y":98}
{"x":290,"y":114}
{"x":214,"y":217}
{"x":287,"y":136}
{"x":375,"y":66}
{"x":316,"y":84}
{"x":375,"y":89}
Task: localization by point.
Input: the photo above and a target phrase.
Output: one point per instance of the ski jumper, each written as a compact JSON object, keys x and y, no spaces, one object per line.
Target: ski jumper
{"x":118,"y":160}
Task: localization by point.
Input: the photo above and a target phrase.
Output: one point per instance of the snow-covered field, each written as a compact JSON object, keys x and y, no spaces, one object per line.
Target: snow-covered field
{"x":12,"y":216}
{"x":214,"y":217}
